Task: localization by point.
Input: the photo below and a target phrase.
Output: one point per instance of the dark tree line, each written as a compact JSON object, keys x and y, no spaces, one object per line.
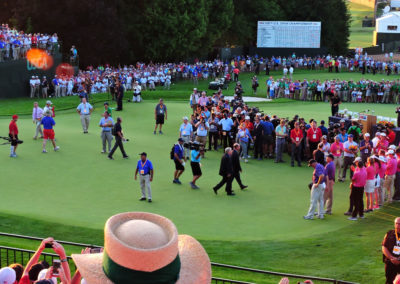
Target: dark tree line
{"x":120,"y":31}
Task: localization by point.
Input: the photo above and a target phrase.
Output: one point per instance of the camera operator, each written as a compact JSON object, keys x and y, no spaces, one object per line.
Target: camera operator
{"x":13,"y":134}
{"x":202,"y":129}
{"x":213,"y":132}
{"x":179,"y":160}
{"x":196,"y":153}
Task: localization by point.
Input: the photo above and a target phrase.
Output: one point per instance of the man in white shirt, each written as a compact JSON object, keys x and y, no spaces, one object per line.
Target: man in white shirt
{"x":37,"y":114}
{"x":137,"y":92}
{"x":291,"y":70}
{"x":84,"y":109}
{"x":32,"y":83}
{"x":143,"y":82}
{"x":167,"y":83}
{"x":152,"y":87}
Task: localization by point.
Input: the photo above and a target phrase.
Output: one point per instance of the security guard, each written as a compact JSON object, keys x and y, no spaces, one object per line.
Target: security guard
{"x":145,"y":169}
{"x":391,"y":252}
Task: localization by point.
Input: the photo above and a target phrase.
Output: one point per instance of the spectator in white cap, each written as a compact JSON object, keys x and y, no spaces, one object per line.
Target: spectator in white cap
{"x":376,"y":139}
{"x":7,"y":275}
{"x":366,"y":147}
{"x":186,"y":133}
{"x":48,"y":107}
{"x":390,"y":173}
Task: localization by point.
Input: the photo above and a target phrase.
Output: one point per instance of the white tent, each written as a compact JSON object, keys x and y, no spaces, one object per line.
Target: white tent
{"x":389,"y":23}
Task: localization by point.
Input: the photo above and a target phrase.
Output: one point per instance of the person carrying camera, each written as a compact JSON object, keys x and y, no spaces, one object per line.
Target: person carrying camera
{"x":13,"y":134}
{"x":119,"y":137}
{"x":202,"y":131}
{"x":179,"y":160}
{"x":186,"y":133}
{"x":196,"y":153}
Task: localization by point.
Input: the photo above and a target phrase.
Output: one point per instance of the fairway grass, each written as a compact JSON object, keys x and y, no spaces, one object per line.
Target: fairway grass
{"x":359,"y":36}
{"x":261,"y":227}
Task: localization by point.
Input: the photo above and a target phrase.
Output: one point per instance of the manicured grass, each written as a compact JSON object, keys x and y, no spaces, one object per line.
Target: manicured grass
{"x":77,"y":189}
{"x":359,"y":36}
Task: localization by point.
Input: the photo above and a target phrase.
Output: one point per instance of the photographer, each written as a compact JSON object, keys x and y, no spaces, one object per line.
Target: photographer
{"x":178,"y":160}
{"x":196,"y":153}
{"x":202,"y":129}
{"x":227,"y":124}
{"x":13,"y":134}
{"x":213,"y":132}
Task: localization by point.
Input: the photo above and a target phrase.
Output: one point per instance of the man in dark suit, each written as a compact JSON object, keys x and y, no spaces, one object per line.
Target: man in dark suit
{"x":226,"y":171}
{"x":237,"y":169}
{"x":258,"y":139}
{"x":119,"y":90}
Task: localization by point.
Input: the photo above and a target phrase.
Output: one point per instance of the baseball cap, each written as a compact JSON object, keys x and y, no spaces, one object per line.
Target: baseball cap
{"x":247,"y":117}
{"x":358,"y":159}
{"x":7,"y":275}
{"x":378,"y":134}
{"x":106,"y":103}
{"x":143,"y":154}
{"x":342,"y":120}
{"x":312,"y":161}
{"x":185,"y":118}
{"x":324,"y":137}
{"x":382,"y":159}
{"x":393,"y":147}
{"x":180,"y":140}
{"x":367,"y":135}
{"x":48,"y":103}
{"x":331,"y":156}
{"x":351,"y":135}
{"x":383,"y":134}
{"x":390,"y":152}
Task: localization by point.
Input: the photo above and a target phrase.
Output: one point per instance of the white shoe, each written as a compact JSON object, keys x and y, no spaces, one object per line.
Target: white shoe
{"x":56,"y":148}
{"x":352,"y":219}
{"x":308,"y":217}
{"x":44,"y":151}
{"x":246,"y":161}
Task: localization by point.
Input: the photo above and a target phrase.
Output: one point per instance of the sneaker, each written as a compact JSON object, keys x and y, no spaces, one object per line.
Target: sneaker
{"x":308,"y":218}
{"x":154,"y":133}
{"x":44,"y":151}
{"x":178,"y":181}
{"x":215,"y":190}
{"x":142,"y":199}
{"x":110,"y":158}
{"x":192,"y":185}
{"x":125,"y":157}
{"x":196,"y":187}
{"x":352,"y":218}
{"x":149,"y":200}
{"x":174,"y":181}
{"x":13,"y":156}
{"x":321,"y":217}
{"x":348,"y":213}
{"x":248,"y":157}
{"x":56,"y":148}
{"x":246,"y":161}
{"x":103,"y":152}
{"x":160,"y":132}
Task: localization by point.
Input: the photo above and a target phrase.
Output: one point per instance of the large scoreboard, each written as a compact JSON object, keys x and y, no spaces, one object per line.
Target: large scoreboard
{"x":289,"y":34}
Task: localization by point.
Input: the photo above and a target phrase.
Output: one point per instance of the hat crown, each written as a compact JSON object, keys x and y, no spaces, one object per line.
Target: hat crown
{"x":141,"y":234}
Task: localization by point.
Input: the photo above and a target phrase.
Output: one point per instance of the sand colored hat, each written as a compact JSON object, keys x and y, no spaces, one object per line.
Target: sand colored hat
{"x":143,"y":247}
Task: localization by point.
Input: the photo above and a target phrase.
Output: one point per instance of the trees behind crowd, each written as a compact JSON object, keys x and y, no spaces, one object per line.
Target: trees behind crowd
{"x":120,"y":31}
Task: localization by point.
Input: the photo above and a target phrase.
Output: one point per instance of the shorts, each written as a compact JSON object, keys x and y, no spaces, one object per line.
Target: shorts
{"x":179,"y":166}
{"x":160,"y":119}
{"x":268,"y":140}
{"x":196,"y":170}
{"x":13,"y":142}
{"x":48,"y":134}
{"x":370,"y":186}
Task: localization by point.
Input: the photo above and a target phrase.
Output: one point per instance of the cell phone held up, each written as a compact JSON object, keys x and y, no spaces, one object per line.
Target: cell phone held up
{"x":49,"y":245}
{"x":56,"y":267}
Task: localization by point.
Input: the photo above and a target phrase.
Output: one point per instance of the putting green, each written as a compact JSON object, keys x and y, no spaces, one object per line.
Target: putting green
{"x":79,"y":186}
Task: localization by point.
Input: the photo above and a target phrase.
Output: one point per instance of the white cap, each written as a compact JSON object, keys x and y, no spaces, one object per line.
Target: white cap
{"x":390,"y":152}
{"x":383,"y":134}
{"x":358,"y":159}
{"x":42,"y":276}
{"x":377,"y":134}
{"x":342,"y":120}
{"x":48,"y":103}
{"x":247,"y":117}
{"x":393,"y":147}
{"x":7,"y":275}
{"x":185,"y":118}
{"x":382,"y":159}
{"x":367,"y":134}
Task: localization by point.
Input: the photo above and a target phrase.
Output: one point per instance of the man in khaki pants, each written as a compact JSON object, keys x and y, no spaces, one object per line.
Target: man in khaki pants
{"x":85,"y":109}
{"x":390,"y":174}
{"x":145,"y":169}
{"x":330,"y":181}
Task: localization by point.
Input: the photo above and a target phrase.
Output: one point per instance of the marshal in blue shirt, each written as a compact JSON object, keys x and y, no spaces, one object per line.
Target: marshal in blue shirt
{"x":144,"y":168}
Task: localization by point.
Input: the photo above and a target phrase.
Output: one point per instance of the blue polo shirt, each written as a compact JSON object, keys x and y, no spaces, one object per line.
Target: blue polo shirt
{"x":84,"y":108}
{"x":319,"y":170}
{"x":48,"y":122}
{"x":186,"y":130}
{"x":268,"y":127}
{"x":178,"y":149}
{"x":103,"y":120}
{"x":201,"y":130}
{"x":226,"y":123}
{"x":144,"y":168}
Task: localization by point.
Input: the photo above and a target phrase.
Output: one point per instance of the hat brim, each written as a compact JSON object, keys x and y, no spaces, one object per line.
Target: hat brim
{"x":195,"y":264}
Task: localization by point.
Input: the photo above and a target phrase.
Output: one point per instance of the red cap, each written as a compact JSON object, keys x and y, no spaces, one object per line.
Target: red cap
{"x":14,"y":116}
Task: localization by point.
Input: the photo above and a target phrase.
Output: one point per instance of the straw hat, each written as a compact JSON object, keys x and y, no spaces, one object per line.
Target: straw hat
{"x":144,"y":247}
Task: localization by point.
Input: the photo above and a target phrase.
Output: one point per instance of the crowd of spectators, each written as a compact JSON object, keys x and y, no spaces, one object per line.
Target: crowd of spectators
{"x":14,"y":44}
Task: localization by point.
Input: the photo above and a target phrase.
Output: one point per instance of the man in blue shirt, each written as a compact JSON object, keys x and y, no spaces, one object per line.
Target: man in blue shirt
{"x":48,"y":131}
{"x":186,"y":133}
{"x":84,"y":109}
{"x":324,"y":130}
{"x":268,"y":141}
{"x":106,"y":123}
{"x":226,"y":124}
{"x":179,"y":161}
{"x":145,"y":169}
{"x":195,"y":164}
{"x":317,"y":190}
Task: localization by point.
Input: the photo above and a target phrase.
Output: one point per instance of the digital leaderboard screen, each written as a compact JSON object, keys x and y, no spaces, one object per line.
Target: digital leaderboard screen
{"x":289,"y":34}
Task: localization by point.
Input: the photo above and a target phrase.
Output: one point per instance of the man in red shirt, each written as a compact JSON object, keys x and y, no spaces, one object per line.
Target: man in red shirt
{"x":296,"y":136}
{"x":314,"y":135}
{"x":13,"y":134}
{"x":236,"y":74}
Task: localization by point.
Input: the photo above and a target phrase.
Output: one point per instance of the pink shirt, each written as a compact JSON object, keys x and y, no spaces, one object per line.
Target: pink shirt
{"x":359,"y":177}
{"x":203,"y":101}
{"x":336,"y":149}
{"x":398,"y":164}
{"x":370,"y":172}
{"x":382,"y":170}
{"x":391,"y":166}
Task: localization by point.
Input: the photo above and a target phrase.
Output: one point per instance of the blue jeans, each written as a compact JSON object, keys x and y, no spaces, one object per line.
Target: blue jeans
{"x":244,"y":153}
{"x":280,"y":142}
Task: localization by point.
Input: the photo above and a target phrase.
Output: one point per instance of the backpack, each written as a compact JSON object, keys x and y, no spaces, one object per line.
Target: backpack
{"x":172,"y":153}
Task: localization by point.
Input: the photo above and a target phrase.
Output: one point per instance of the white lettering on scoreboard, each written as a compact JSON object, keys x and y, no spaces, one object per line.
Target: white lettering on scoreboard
{"x":289,"y":34}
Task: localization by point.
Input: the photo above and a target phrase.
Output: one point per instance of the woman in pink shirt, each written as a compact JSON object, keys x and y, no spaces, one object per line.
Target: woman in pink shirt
{"x":370,"y":185}
{"x":337,"y":151}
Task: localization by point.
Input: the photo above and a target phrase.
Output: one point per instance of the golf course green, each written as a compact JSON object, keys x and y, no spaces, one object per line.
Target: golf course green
{"x":69,"y":194}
